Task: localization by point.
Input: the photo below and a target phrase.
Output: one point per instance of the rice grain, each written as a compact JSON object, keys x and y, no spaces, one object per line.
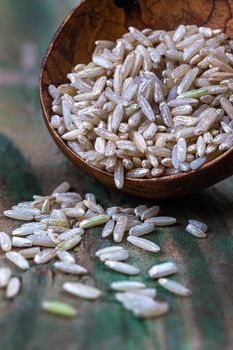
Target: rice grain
{"x":195,"y":231}
{"x":5,"y":275}
{"x":162,"y":270}
{"x":13,"y":288}
{"x":116,"y":255}
{"x":161,"y":221}
{"x":148,"y":213}
{"x":94,"y":221}
{"x":18,"y":260}
{"x":29,"y":253}
{"x":123,"y":286}
{"x":174,"y":287}
{"x":81,"y":290}
{"x":144,"y":244}
{"x":5,"y":242}
{"x":122,"y":267}
{"x":141,"y":229}
{"x":21,"y":242}
{"x":119,"y":229}
{"x":65,"y":256}
{"x":45,"y":256}
{"x":59,"y":308}
{"x":69,"y":268}
{"x":201,"y":225}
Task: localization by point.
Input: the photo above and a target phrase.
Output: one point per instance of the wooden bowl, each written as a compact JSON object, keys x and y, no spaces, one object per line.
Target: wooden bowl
{"x":107,"y":19}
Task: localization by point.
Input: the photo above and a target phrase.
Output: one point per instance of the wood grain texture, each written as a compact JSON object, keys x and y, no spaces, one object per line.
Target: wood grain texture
{"x":108,"y":19}
{"x":30,"y":163}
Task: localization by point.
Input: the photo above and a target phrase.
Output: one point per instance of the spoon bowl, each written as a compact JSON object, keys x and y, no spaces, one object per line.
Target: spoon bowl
{"x":108,"y":19}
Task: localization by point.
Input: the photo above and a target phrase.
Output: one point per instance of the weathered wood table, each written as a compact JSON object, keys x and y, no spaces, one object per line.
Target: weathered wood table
{"x":30,"y":163}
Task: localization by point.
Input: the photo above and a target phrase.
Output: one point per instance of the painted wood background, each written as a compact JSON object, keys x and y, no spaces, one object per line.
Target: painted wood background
{"x":30,"y":163}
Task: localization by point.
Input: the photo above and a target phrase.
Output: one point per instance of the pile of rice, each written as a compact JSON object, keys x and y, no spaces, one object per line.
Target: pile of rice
{"x":153,"y":103}
{"x":56,"y":226}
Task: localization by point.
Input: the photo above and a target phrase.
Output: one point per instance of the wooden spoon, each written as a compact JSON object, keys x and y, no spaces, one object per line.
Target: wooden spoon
{"x":107,"y":19}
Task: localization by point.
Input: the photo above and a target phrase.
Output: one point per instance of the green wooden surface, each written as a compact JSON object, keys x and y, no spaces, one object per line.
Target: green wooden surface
{"x":31,"y":163}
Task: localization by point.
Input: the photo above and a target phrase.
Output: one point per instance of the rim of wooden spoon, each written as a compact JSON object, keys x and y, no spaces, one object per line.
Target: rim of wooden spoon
{"x":135,"y":186}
